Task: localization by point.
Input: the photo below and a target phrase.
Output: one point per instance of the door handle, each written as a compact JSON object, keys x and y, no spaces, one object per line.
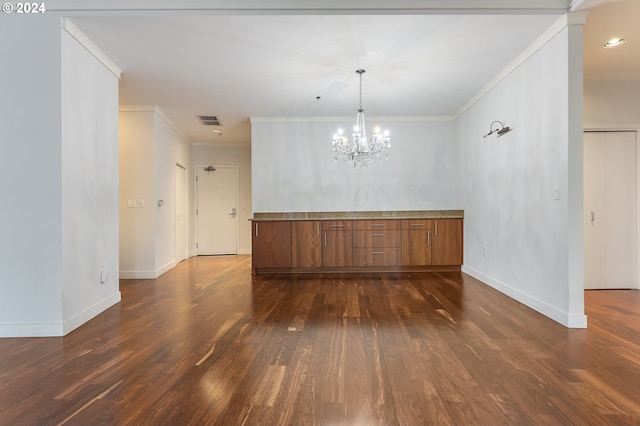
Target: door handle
{"x":593,"y":218}
{"x":233,"y":213}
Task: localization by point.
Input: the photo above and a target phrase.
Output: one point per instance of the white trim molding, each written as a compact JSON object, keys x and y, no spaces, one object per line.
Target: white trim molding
{"x":92,"y":311}
{"x":85,"y":42}
{"x":334,"y":119}
{"x":156,"y":109}
{"x":565,"y":318}
{"x":576,"y":18}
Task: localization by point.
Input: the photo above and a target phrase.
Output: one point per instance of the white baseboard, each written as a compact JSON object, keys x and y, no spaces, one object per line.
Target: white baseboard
{"x":31,"y":330}
{"x":57,"y":329}
{"x":147,"y":275}
{"x":169,"y":266}
{"x":137,"y":275}
{"x":564,"y":318}
{"x":77,"y":320}
{"x":244,"y":251}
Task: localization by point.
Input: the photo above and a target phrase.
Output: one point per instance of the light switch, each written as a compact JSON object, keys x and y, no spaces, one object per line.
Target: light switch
{"x":141,"y":203}
{"x":556,"y":192}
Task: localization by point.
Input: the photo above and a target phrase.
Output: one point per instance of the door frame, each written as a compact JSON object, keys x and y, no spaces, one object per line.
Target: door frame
{"x":195,"y":207}
{"x":635,"y":128}
{"x":186,"y":210}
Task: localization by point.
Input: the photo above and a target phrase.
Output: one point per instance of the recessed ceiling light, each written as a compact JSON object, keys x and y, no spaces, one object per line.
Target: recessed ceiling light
{"x":614,"y":42}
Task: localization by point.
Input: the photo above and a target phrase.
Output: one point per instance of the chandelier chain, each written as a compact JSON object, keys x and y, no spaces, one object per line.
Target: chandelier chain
{"x":360,"y":72}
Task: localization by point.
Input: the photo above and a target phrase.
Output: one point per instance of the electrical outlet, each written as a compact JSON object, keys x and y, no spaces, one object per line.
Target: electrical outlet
{"x":131,"y":204}
{"x":556,"y":193}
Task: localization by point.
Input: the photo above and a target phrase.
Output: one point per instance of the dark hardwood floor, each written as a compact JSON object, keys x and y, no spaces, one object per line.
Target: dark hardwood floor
{"x":207,"y":343}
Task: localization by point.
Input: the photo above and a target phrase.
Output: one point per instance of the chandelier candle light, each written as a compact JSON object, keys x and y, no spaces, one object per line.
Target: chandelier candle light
{"x":360,"y":151}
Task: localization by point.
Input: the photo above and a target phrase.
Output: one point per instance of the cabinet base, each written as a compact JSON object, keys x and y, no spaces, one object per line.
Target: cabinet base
{"x":357,"y":269}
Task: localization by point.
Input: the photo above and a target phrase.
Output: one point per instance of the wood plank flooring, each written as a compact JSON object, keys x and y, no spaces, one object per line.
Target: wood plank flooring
{"x":207,"y":343}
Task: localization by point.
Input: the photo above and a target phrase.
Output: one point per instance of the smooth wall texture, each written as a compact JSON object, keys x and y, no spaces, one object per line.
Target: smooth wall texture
{"x":31,"y":175}
{"x":149,"y":150}
{"x":612,"y":104}
{"x":170,"y":148}
{"x":517,"y":236}
{"x":136,"y":177}
{"x":204,"y":155}
{"x":89,"y":185}
{"x":294,"y":169}
{"x":615,"y":105}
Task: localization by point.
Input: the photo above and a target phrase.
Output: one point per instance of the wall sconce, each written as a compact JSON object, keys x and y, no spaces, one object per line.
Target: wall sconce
{"x":500,"y":131}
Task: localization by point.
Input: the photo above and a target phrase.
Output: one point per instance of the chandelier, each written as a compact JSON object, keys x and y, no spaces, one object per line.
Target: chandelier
{"x":360,"y":151}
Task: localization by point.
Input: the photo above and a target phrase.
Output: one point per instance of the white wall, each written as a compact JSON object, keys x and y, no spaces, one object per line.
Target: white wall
{"x":294,"y":169}
{"x":59,"y":165}
{"x":170,"y":148}
{"x":204,"y":155}
{"x":136,"y":177}
{"x":31,"y":175}
{"x":89,"y":185}
{"x":508,"y":183}
{"x":612,"y":104}
{"x":150,"y":147}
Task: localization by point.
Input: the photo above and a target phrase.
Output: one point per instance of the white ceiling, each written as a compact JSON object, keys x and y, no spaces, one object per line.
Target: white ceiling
{"x":239,"y":65}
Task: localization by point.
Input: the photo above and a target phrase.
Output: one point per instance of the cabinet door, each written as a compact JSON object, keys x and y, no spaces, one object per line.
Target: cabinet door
{"x":305,"y":244}
{"x":447,"y":242}
{"x":416,"y":247}
{"x":337,"y":248}
{"x":271,"y":244}
{"x":416,"y":242}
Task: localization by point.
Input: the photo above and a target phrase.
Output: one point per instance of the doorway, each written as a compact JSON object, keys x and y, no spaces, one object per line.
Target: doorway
{"x":610,"y":205}
{"x":216,"y":210}
{"x":180,"y":183}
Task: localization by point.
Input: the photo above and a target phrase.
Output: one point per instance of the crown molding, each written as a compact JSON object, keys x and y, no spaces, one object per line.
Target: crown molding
{"x":335,"y":119}
{"x":155,"y":109}
{"x":576,"y":18}
{"x":85,"y":42}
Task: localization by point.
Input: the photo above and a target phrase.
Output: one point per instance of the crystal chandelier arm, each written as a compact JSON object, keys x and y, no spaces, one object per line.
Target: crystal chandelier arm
{"x":359,"y":151}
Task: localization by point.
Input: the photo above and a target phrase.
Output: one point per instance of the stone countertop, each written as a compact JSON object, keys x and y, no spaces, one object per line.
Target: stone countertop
{"x":375,"y":215}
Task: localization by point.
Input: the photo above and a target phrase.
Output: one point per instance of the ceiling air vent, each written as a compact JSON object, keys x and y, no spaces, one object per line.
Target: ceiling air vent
{"x":210,"y":120}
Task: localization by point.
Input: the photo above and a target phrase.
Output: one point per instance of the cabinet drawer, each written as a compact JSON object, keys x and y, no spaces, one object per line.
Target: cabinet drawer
{"x":416,"y":224}
{"x":376,"y":257}
{"x":376,"y":225}
{"x":378,"y":238}
{"x":337,"y":225}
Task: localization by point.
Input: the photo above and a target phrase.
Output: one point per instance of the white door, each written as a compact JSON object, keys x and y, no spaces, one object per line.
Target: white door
{"x":610,"y":210}
{"x":217,"y":210}
{"x":181,"y":212}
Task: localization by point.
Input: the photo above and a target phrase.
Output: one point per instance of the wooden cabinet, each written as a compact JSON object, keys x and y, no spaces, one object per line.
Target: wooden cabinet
{"x":337,"y":243}
{"x":271,"y":244}
{"x":357,"y":245}
{"x":447,"y":242}
{"x":377,"y":243}
{"x":416,"y":242}
{"x":306,"y":242}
